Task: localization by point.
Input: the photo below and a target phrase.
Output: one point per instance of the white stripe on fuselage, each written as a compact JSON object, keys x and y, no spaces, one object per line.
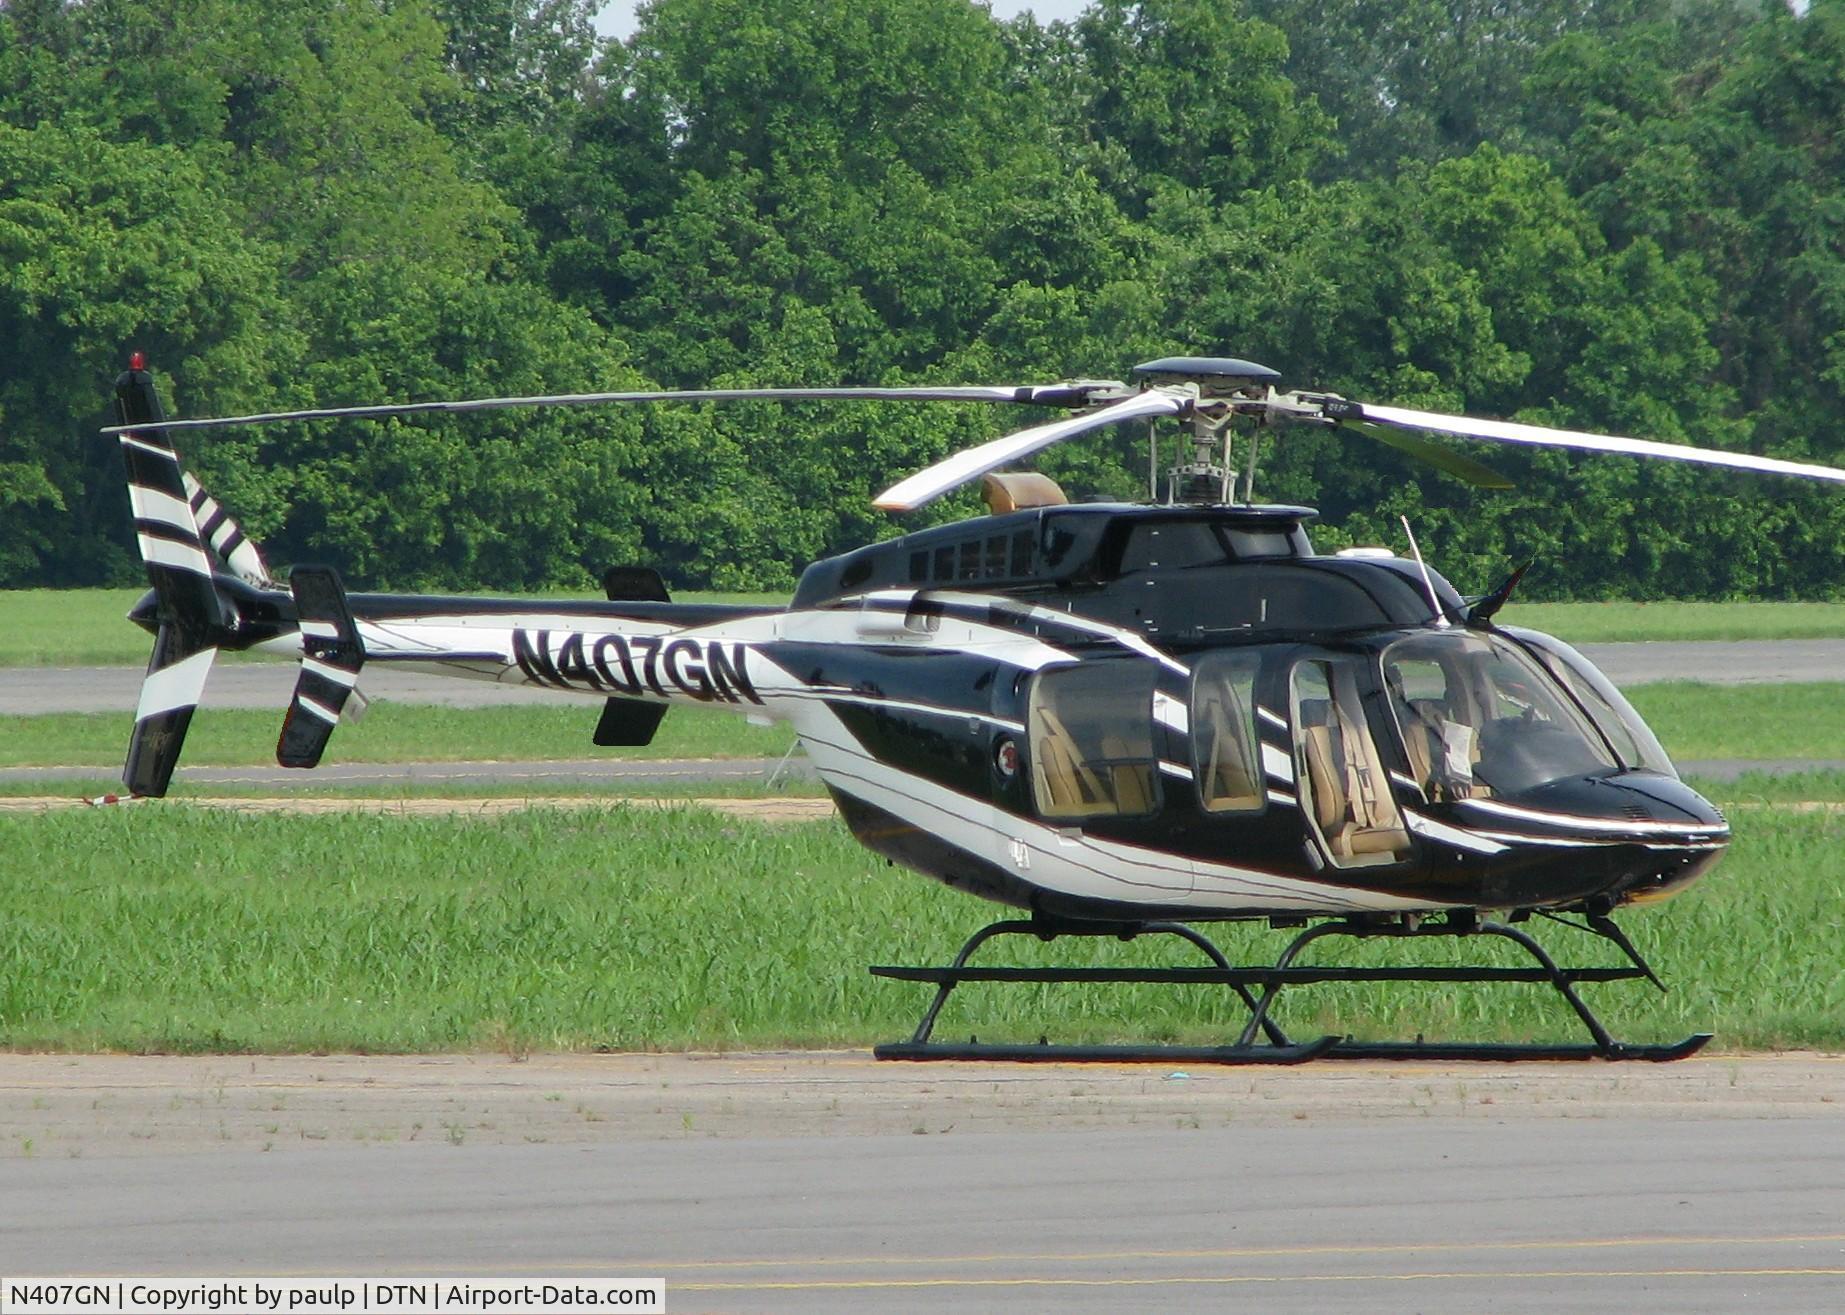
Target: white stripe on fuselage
{"x":1607,"y":825}
{"x":482,"y":647}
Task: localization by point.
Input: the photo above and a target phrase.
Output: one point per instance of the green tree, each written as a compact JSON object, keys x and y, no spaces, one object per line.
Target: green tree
{"x":1192,"y":93}
{"x":104,"y":246}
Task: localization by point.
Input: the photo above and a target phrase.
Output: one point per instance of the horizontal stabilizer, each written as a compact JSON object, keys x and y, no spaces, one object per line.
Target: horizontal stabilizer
{"x":331,"y":655}
{"x":628,"y":723}
{"x":634,"y":584}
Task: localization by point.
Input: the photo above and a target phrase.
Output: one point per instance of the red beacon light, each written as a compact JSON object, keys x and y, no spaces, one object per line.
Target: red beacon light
{"x":137,"y":361}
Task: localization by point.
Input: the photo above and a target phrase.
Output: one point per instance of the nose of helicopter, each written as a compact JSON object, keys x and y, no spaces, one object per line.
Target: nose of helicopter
{"x":1677,"y":834}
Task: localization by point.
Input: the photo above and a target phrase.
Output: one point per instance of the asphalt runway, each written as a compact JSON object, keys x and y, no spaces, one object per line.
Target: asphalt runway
{"x":28,"y":690}
{"x":830,"y":1183}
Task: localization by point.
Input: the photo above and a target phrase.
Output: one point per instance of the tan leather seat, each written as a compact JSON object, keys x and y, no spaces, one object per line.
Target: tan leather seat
{"x":1072,"y":788}
{"x":1131,"y":776}
{"x":1351,"y":796}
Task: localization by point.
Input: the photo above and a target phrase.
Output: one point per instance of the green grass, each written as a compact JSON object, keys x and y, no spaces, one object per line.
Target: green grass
{"x":393,"y":732}
{"x":70,"y":628}
{"x":89,"y":627}
{"x":173,"y":929}
{"x":1623,"y":622}
{"x":1744,"y":721}
{"x":85,"y":627}
{"x":1759,"y":789}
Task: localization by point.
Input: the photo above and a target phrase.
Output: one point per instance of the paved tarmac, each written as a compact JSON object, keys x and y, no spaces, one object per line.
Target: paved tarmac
{"x":829,"y":1183}
{"x":28,"y":690}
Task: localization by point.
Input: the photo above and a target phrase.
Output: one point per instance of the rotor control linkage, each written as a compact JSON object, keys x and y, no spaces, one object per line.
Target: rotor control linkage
{"x":1278,"y":1048}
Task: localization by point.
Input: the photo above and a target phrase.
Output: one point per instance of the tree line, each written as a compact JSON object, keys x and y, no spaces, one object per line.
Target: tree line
{"x":1621,"y":215}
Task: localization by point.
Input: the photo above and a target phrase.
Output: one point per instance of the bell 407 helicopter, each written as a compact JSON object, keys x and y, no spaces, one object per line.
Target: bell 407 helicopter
{"x":1121,"y":718}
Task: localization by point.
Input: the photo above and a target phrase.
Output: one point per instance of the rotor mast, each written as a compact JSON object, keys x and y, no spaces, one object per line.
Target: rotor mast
{"x":1218,"y":383}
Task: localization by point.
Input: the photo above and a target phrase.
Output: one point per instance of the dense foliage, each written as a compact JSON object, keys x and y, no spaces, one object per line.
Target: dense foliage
{"x":1625,"y":215}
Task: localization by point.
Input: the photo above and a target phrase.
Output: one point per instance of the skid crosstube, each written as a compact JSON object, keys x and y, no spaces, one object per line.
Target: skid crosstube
{"x":1262,"y":1040}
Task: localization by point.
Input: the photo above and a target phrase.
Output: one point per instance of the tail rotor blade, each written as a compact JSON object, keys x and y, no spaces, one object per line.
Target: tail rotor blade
{"x":226,"y":537}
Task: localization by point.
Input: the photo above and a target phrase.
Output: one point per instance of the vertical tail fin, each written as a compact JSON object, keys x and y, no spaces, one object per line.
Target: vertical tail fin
{"x":193,"y":614}
{"x":331,"y":655}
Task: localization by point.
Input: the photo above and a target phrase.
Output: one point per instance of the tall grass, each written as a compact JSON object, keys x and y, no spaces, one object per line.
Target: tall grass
{"x":183,"y":929}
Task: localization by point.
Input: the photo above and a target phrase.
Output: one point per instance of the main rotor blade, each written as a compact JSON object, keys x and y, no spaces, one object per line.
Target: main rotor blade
{"x":1074,"y":393}
{"x":926,"y":486}
{"x":1465,"y":469}
{"x":1506,"y":431}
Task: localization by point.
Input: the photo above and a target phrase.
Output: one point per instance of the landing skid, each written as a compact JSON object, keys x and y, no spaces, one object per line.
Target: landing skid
{"x":1262,"y":1040}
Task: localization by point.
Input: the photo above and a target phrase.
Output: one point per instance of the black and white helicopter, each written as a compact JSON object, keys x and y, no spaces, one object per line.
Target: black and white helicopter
{"x":1121,"y":718}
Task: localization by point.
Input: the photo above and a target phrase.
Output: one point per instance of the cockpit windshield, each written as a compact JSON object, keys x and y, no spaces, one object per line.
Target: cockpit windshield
{"x":1632,"y":739}
{"x":1480,"y":718}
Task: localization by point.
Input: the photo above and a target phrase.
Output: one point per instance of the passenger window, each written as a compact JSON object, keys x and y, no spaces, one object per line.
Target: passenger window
{"x":1091,"y":737}
{"x":1226,"y":760}
{"x":1343,"y":788}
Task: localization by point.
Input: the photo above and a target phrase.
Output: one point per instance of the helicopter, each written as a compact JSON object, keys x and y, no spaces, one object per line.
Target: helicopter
{"x":1122,"y":719}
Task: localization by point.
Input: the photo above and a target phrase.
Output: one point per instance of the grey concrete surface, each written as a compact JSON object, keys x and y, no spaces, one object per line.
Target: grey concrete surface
{"x":1453,"y":1212}
{"x":1739,"y":662}
{"x":829,"y":1182}
{"x":26,"y":690}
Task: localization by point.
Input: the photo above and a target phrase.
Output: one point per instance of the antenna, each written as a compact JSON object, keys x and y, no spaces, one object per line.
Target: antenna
{"x":1428,"y":582}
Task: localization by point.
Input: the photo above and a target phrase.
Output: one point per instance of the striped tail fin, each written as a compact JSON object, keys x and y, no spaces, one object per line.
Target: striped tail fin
{"x":193,"y":615}
{"x":331,"y":655}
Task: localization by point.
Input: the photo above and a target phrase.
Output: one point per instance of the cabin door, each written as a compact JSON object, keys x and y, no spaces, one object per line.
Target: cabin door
{"x":1345,"y":792}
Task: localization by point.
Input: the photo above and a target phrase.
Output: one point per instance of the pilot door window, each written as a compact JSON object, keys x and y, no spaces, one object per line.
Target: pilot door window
{"x":1091,"y":742}
{"x":1344,"y":790}
{"x":1226,"y":761}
